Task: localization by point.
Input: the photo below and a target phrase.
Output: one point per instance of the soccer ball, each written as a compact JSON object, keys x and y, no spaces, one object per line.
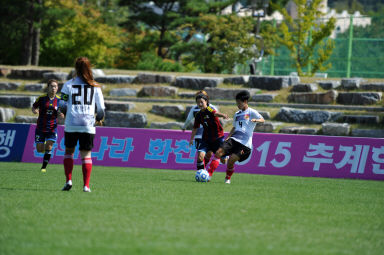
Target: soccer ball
{"x":202,"y":176}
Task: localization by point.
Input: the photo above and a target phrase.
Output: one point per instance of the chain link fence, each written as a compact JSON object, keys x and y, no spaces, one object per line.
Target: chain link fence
{"x":353,"y":56}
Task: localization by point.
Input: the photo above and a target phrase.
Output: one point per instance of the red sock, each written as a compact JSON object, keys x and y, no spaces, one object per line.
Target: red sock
{"x":68,"y":166}
{"x":87,"y":169}
{"x":214,"y":164}
{"x":229,"y":173}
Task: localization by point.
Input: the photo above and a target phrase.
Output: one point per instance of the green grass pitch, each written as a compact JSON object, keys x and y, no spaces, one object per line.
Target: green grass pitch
{"x":150,"y":211}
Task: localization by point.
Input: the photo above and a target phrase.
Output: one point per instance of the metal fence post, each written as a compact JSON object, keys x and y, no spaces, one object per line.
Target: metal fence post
{"x":350,"y":39}
{"x":272,"y":70}
{"x":309,"y":41}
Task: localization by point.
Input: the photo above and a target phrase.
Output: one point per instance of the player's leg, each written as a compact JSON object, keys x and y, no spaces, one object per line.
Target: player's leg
{"x":207,"y":157}
{"x":231,"y":167}
{"x":86,"y":145}
{"x":40,"y":147}
{"x":40,"y":144}
{"x":239,"y":153}
{"x":50,"y":139}
{"x":201,"y":152}
{"x":70,"y":141}
{"x":200,"y":164}
{"x":215,"y":146}
{"x":47,"y":154}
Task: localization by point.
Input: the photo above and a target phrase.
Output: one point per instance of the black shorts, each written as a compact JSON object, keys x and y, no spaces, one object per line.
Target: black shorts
{"x":211,"y":146}
{"x":233,"y":147}
{"x":85,"y":140}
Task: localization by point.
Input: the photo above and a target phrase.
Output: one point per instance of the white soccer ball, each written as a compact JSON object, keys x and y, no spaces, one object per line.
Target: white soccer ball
{"x":202,"y":176}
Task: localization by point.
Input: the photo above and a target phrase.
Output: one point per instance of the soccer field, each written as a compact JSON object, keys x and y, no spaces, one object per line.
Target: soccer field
{"x":150,"y":211}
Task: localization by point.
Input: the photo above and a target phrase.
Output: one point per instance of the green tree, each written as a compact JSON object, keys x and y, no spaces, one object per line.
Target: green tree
{"x":20,"y":31}
{"x":218,"y":43}
{"x":307,"y":37}
{"x":72,"y":29}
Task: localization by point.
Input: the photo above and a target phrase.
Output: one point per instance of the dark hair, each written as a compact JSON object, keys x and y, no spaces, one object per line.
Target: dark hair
{"x":52,"y":81}
{"x":202,"y":94}
{"x":83,"y":70}
{"x":243,"y":96}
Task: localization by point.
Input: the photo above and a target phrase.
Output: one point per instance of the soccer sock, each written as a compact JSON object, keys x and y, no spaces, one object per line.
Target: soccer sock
{"x":200,"y":165}
{"x":47,"y":157}
{"x":68,"y":166}
{"x":214,"y":164}
{"x":229,"y":173}
{"x":87,"y":169}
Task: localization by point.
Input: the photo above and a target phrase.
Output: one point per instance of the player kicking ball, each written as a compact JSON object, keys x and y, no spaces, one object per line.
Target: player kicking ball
{"x":213,"y":134}
{"x":238,"y":144}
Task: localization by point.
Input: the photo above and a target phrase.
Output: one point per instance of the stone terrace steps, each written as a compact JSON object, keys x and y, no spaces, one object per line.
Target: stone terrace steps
{"x":231,"y":102}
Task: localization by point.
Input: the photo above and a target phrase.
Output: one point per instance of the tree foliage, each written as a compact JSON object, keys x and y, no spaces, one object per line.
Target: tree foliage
{"x":306,"y":37}
{"x":73,"y":30}
{"x":218,"y":42}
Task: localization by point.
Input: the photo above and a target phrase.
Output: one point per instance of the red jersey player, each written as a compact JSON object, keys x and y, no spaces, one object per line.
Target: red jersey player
{"x":46,"y":130}
{"x":213,"y":134}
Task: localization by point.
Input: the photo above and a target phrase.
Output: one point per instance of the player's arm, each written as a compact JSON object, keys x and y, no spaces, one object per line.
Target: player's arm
{"x":257,"y":118}
{"x":100,"y":107}
{"x":188,"y":120}
{"x":196,"y":125}
{"x":191,"y":140}
{"x":62,"y":110}
{"x":222,"y":115}
{"x":230,"y":133}
{"x":63,"y":103}
{"x":35,"y":110}
{"x":35,"y":106}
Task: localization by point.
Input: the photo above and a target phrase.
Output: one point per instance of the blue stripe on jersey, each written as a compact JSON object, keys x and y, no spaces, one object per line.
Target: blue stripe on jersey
{"x":242,"y":117}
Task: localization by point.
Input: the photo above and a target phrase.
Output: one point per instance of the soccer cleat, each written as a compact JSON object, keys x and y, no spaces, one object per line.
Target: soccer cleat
{"x":86,"y":189}
{"x":67,"y":186}
{"x":227,"y":181}
{"x":43,"y":170}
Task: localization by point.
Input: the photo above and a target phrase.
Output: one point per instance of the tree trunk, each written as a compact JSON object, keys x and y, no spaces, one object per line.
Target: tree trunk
{"x":28,"y":37}
{"x":31,"y":39}
{"x":27,"y":49}
{"x":36,"y":46}
{"x":36,"y":33}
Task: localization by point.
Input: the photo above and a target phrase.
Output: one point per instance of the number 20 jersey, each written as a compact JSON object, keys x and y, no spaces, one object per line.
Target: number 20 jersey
{"x":244,"y":126}
{"x":81,"y":100}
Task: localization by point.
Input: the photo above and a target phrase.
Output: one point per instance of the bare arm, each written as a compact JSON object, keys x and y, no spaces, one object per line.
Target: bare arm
{"x":223,"y":115}
{"x":258,"y":120}
{"x":191,"y":140}
{"x":34,"y":110}
{"x":230,"y":133}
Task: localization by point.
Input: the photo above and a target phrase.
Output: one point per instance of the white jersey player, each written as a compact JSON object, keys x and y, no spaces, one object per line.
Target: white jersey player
{"x":82,"y":99}
{"x":238,"y":143}
{"x":83,"y":96}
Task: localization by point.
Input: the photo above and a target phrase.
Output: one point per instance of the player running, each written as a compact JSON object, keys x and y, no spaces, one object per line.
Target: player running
{"x":199,"y":133}
{"x":213,"y":133}
{"x":238,"y":143}
{"x":82,"y":93}
{"x":47,"y":106}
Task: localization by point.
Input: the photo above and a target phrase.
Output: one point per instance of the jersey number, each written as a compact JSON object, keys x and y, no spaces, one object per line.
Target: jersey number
{"x":240,"y":124}
{"x":83,"y":92}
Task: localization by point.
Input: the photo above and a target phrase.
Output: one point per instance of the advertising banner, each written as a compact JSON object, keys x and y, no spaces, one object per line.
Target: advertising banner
{"x":276,"y":154}
{"x":12,"y":141}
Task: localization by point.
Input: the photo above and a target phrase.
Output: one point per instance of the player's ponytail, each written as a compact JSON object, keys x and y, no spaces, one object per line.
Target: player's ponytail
{"x":84,"y":71}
